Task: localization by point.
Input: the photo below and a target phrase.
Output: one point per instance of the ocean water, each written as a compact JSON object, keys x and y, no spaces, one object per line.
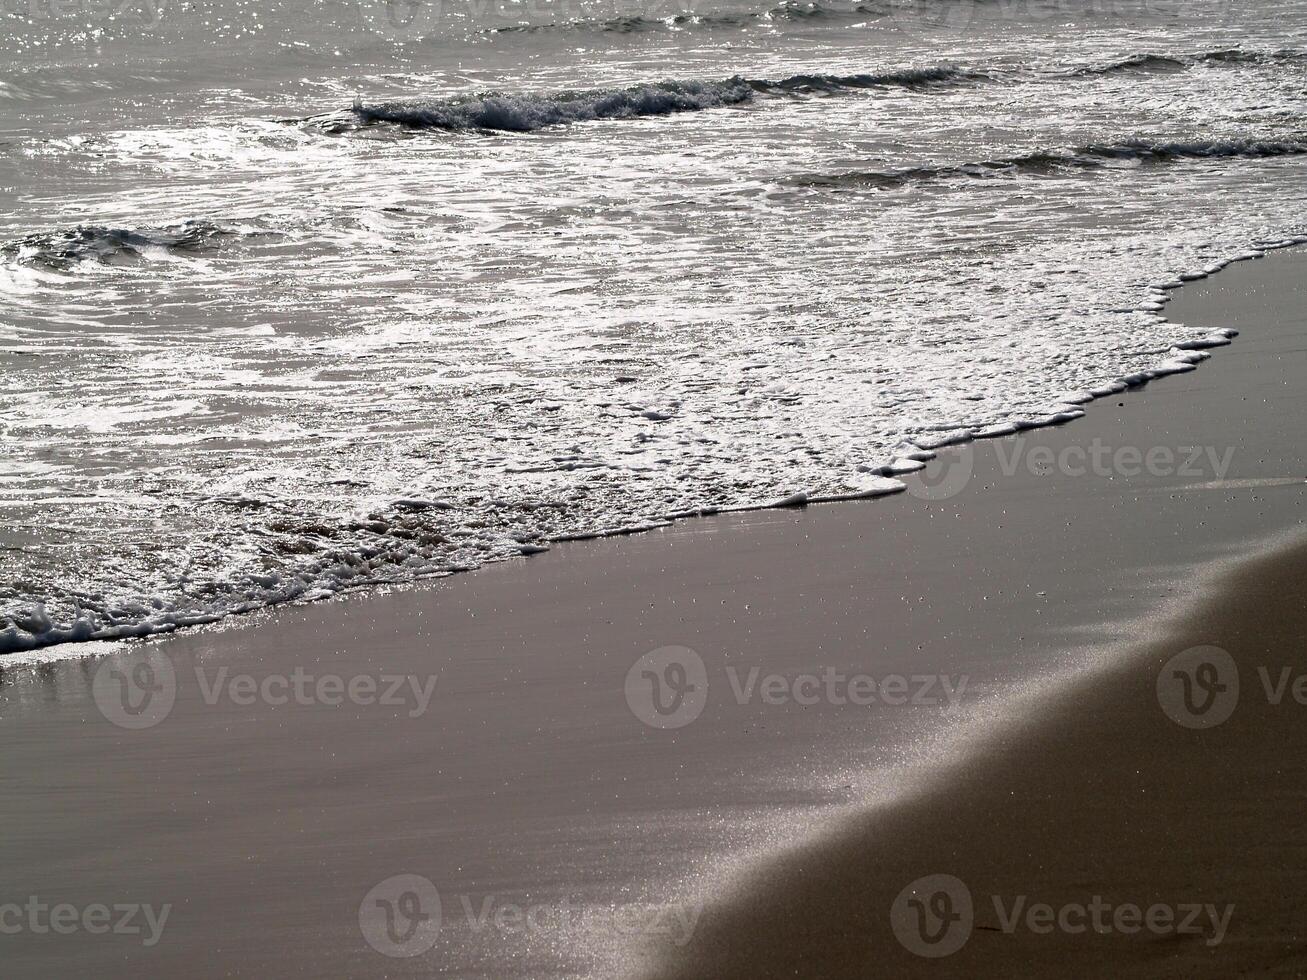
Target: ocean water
{"x":296,"y":297}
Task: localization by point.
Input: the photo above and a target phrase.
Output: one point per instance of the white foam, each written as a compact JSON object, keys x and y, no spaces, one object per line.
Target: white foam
{"x":1171,"y":367}
{"x":869,"y":488}
{"x":904,"y":465}
{"x":793,"y":500}
{"x":951,"y":438}
{"x":1058,"y":418}
{"x":1074,"y":397}
{"x":451,"y":363}
{"x":1103,"y":391}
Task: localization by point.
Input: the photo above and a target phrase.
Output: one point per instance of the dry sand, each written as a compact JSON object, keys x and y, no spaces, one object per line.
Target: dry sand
{"x":529,"y":783}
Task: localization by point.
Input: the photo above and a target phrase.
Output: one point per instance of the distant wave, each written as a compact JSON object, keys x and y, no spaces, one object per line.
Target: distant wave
{"x":1054,"y":162}
{"x":1145,"y":63}
{"x":1241,"y":56}
{"x":527,"y":113}
{"x":816,"y":11}
{"x":794,"y":12}
{"x":63,"y":249}
{"x":910,"y":78}
{"x":1134,"y":63}
{"x":609,"y":25}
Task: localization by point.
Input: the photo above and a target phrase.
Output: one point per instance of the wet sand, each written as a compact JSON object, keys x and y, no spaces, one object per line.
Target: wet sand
{"x":1102,"y":836}
{"x":528,"y":781}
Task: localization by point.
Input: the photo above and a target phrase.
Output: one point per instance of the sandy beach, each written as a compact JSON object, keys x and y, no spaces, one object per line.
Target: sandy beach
{"x":960,"y":680}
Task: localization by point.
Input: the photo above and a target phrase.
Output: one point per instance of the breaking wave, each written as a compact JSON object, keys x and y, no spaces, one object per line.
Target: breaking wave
{"x":62,"y":250}
{"x":1051,"y":163}
{"x":527,"y":113}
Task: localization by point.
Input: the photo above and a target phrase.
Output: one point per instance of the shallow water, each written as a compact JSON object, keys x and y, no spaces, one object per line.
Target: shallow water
{"x":298,"y":297}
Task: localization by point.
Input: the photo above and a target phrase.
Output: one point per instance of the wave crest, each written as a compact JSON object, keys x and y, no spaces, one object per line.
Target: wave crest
{"x":910,"y":78}
{"x":61,"y":250}
{"x":1153,"y":63}
{"x":795,"y":12}
{"x":527,"y":113}
{"x":1050,"y":163}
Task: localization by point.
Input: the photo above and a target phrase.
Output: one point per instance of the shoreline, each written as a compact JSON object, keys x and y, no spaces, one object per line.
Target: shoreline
{"x":1099,"y":820}
{"x":534,"y":780}
{"x":880,"y":480}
